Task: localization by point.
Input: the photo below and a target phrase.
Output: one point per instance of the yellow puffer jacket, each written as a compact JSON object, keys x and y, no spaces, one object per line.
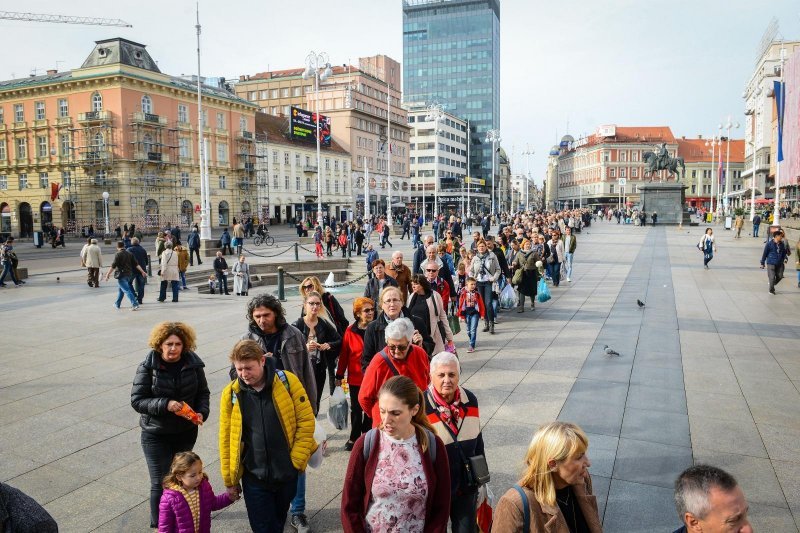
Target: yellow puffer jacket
{"x":297,"y":421}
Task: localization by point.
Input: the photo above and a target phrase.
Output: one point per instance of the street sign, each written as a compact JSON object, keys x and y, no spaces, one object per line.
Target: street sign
{"x":622,"y":182}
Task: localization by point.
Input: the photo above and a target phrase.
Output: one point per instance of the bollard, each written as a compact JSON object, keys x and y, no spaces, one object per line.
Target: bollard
{"x":296,"y":252}
{"x":149,"y":267}
{"x":281,"y":285}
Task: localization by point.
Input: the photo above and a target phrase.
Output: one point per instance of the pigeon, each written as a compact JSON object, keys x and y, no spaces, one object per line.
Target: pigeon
{"x":58,"y":279}
{"x":610,"y":351}
{"x":640,"y":303}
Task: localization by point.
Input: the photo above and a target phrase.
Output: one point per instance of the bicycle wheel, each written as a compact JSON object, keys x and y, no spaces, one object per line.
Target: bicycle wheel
{"x":269,"y":240}
{"x":257,"y":240}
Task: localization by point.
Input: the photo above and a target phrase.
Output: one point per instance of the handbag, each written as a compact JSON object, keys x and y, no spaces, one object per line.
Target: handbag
{"x":516,"y":279}
{"x":452,"y":319}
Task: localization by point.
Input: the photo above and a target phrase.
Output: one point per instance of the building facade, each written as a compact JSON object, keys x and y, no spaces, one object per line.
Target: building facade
{"x":119,"y":125}
{"x":703,"y":176}
{"x":355,"y":99}
{"x":451,"y":55}
{"x":290,"y":174}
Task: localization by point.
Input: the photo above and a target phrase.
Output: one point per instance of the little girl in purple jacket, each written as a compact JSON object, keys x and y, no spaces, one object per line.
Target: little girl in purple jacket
{"x":188,"y":498}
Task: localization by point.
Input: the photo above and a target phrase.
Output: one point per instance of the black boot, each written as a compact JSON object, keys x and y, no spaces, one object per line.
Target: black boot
{"x":491,"y":329}
{"x":486,"y":326}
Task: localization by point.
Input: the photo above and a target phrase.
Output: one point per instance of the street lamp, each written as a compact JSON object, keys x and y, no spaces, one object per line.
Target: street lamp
{"x":528,"y":153}
{"x":728,"y":125}
{"x":319,"y":66}
{"x":435,"y":114}
{"x":713,"y":142}
{"x":493,"y":136}
{"x":105,"y":209}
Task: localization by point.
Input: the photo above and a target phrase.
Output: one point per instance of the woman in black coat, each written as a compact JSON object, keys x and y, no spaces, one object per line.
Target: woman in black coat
{"x":322,"y":341}
{"x":170,"y":378}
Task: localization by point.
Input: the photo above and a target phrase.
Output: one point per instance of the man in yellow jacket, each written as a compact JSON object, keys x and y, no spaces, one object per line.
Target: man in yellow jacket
{"x":266,"y":435}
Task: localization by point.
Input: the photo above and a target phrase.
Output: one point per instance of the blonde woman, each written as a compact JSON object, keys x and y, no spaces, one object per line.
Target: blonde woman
{"x":556,"y":486}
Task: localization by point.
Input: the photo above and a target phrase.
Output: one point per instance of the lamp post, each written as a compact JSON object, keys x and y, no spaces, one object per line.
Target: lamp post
{"x":713,"y":142}
{"x":728,"y":125}
{"x":493,"y":136}
{"x":202,"y":161}
{"x":105,"y":209}
{"x":527,"y":153}
{"x":317,"y":65}
{"x":435,"y":114}
{"x":469,"y":171}
{"x":781,"y":103}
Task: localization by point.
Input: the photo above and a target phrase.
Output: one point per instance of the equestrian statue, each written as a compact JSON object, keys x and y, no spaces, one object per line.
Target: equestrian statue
{"x":661,"y":160}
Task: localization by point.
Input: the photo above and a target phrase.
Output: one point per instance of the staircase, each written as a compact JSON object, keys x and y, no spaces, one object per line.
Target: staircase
{"x":267,"y":274}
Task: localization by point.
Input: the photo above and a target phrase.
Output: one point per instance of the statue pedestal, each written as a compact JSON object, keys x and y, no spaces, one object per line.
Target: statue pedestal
{"x":668,"y":200}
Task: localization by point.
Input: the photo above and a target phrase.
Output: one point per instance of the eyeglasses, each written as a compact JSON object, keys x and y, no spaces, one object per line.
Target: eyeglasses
{"x":369,"y":310}
{"x":392,"y":300}
{"x":314,"y":304}
{"x":308,"y":287}
{"x":397,"y":347}
{"x":431,"y":270}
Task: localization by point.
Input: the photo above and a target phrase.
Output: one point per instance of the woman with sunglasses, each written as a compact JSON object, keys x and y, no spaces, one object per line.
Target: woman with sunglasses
{"x":350,"y":361}
{"x":330,"y":305}
{"x":426,"y":304}
{"x":322,"y":341}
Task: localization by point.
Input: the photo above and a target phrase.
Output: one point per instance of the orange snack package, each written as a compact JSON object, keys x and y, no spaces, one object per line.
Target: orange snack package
{"x":189,"y":414}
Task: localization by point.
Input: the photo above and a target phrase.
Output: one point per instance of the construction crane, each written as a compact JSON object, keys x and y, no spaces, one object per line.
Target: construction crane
{"x":63,"y":19}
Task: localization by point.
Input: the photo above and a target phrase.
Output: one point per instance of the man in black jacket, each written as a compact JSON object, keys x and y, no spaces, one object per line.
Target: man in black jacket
{"x":221,"y":271}
{"x":393,"y":308}
{"x":139,"y":279}
{"x":193,"y":240}
{"x":419,"y":255}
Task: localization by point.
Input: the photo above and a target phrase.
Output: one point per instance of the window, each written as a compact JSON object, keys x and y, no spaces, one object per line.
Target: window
{"x":297,"y":183}
{"x":611,"y":188}
{"x":694,"y":175}
{"x":622,"y":173}
{"x":147,"y":141}
{"x":183,"y":113}
{"x":39,"y":107}
{"x":19,"y":113}
{"x":286,"y":182}
{"x":2,"y":150}
{"x":275,"y":156}
{"x":63,"y":107}
{"x":285,"y":158}
{"x":634,"y":172}
{"x":612,"y":173}
{"x":147,"y":104}
{"x":308,"y":161}
{"x":184,"y":179}
{"x":336,"y":186}
{"x":97,"y":102}
{"x":297,"y":91}
{"x":243,"y":123}
{"x":344,"y":186}
{"x":623,"y":155}
{"x":23,"y":181}
{"x":2,"y":115}
{"x":308,"y":184}
{"x":274,"y":182}
{"x":22,"y":147}
{"x":285,"y":92}
{"x":263,"y":95}
{"x":273,"y":110}
{"x":273,"y":93}
{"x":43,"y":180}
{"x":220,"y":121}
{"x":3,"y":182}
{"x":635,"y":155}
{"x":183,"y":147}
{"x":222,"y":182}
{"x":296,"y":160}
{"x":327,"y":186}
{"x":222,"y":153}
{"x":252,"y":95}
{"x":287,"y":109}
{"x":205,"y":118}
{"x":606,"y":157}
{"x":327,"y":164}
{"x":66,"y":179}
{"x":41,"y":146}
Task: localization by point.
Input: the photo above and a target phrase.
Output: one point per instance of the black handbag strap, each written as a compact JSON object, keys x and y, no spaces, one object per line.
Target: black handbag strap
{"x":389,"y":362}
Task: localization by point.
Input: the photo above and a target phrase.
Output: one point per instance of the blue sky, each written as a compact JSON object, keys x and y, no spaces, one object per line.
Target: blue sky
{"x":627,"y":62}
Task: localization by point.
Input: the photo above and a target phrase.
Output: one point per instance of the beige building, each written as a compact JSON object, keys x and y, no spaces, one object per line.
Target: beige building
{"x":118,"y":125}
{"x":355,"y":99}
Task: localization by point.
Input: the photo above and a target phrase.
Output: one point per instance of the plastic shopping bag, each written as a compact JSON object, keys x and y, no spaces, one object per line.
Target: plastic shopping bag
{"x":338,"y":409}
{"x":485,"y":503}
{"x":315,"y":461}
{"x":542,"y":291}
{"x":508,"y":298}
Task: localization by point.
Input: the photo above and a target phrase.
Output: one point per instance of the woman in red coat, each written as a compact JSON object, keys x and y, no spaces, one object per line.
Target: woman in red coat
{"x":398,"y":477}
{"x":399,"y":357}
{"x":350,"y":361}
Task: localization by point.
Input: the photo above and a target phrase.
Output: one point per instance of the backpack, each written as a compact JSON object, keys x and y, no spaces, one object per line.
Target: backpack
{"x":283,"y":378}
{"x":372,"y":436}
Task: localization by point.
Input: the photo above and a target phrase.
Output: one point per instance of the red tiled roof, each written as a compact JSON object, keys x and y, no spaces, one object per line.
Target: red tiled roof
{"x":644,"y":134}
{"x":696,"y":151}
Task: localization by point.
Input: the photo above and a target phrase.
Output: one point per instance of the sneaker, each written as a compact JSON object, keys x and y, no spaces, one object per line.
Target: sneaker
{"x":348,"y":445}
{"x":135,"y":308}
{"x":569,"y":280}
{"x":470,"y":349}
{"x":300,"y":523}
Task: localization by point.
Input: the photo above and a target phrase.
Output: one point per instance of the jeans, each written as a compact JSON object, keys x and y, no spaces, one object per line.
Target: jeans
{"x":125,"y":290}
{"x":228,"y":248}
{"x":158,"y":452}
{"x":8,"y":269}
{"x":414,"y":240}
{"x":707,"y":257}
{"x":775,"y":275}
{"x":472,"y":327}
{"x":192,"y":253}
{"x":405,"y":232}
{"x":222,"y":280}
{"x":554,"y":269}
{"x":162,"y":294}
{"x":138,"y":281}
{"x":299,"y":501}
{"x":485,"y":290}
{"x":755,"y":229}
{"x":183,"y":280}
{"x":463,"y":509}
{"x":360,"y":422}
{"x":266,"y":509}
{"x":568,"y":264}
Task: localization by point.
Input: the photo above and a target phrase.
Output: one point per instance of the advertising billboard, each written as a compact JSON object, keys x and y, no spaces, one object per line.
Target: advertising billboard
{"x":303,"y":126}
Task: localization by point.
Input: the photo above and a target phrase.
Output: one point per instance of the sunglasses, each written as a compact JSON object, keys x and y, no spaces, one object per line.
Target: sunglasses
{"x":314,"y":304}
{"x":397,"y":347}
{"x":431,"y":270}
{"x":308,"y":287}
{"x":369,"y":310}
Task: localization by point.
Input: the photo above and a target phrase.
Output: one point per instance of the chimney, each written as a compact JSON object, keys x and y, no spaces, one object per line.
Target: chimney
{"x":241,"y":77}
{"x":683,"y":137}
{"x":52,"y":71}
{"x":700,"y":137}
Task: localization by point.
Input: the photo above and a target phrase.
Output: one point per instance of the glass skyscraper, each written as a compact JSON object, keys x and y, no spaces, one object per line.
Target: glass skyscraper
{"x":451,"y":55}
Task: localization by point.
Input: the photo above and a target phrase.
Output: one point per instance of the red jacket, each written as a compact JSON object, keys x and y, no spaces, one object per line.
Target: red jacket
{"x":357,"y":490}
{"x":415,"y":365}
{"x":350,"y":356}
{"x":462,"y":300}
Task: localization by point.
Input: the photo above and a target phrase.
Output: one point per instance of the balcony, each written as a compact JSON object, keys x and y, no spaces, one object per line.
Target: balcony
{"x":4,"y":163}
{"x":310,"y":169}
{"x":40,"y":123}
{"x":245,"y":185}
{"x":221,"y":131}
{"x":186,"y":161}
{"x":64,"y":121}
{"x":94,"y":158}
{"x":184,"y":125}
{"x":19,"y":126}
{"x":94,"y":116}
{"x":151,"y":157}
{"x":3,"y":127}
{"x":43,"y":160}
{"x":149,"y":118}
{"x":244,"y":135}
{"x":246,"y":166}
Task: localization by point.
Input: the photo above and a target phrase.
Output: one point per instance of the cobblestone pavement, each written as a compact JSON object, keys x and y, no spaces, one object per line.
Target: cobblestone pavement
{"x":709,"y":371}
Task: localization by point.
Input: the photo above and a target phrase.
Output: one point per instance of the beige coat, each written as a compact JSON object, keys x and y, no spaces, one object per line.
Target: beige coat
{"x":92,"y":257}
{"x":169,"y":266}
{"x":545,"y":518}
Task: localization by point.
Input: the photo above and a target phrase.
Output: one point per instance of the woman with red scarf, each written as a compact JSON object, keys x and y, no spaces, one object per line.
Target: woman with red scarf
{"x":453,"y":413}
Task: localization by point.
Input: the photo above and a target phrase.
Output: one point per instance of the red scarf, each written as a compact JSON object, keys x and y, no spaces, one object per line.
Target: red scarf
{"x":450,"y":413}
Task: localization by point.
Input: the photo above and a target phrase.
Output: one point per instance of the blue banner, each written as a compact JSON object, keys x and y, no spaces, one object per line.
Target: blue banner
{"x":780,"y":102}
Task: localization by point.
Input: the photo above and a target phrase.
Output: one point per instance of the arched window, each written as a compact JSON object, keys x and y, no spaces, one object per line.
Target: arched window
{"x":98,"y":143}
{"x":223,"y":213}
{"x":97,"y":102}
{"x":147,"y":141}
{"x":187,"y":212}
{"x":151,"y":207}
{"x":147,"y":104}
{"x":245,"y":208}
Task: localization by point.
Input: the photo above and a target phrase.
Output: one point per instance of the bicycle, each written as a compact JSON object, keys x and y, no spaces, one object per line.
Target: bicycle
{"x":263,"y":237}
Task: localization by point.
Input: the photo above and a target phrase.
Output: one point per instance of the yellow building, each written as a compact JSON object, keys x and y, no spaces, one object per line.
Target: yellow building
{"x":119,"y":125}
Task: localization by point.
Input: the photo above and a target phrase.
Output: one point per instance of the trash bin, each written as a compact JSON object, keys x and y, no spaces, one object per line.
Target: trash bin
{"x":728,"y":222}
{"x":38,"y":239}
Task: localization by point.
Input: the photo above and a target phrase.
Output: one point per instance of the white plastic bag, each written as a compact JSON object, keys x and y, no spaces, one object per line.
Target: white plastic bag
{"x":338,"y":409}
{"x":315,"y":461}
{"x":508,"y":298}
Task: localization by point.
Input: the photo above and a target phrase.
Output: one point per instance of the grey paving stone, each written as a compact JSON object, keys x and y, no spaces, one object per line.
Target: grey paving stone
{"x":788,"y":474}
{"x":600,"y":486}
{"x":602,"y":452}
{"x":770,"y":518}
{"x":650,"y":463}
{"x":730,"y":436}
{"x":710,"y":382}
{"x":626,"y":501}
{"x":718,"y":406}
{"x":48,"y":483}
{"x":596,"y":406}
{"x":79,"y":510}
{"x":782,"y":443}
{"x":608,"y":369}
{"x":13,"y":465}
{"x":656,"y":399}
{"x":754,"y":474}
{"x":495,"y":378}
{"x":656,"y":376}
{"x":656,"y":426}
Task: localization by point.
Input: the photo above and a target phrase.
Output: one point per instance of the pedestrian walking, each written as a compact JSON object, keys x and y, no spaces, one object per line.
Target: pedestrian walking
{"x":486,"y":270}
{"x":169,"y":274}
{"x":8,"y":258}
{"x":385,"y":235}
{"x":322,"y":342}
{"x":756,"y":224}
{"x":238,"y":237}
{"x":554,"y":258}
{"x":797,"y":261}
{"x":471,"y":309}
{"x":139,"y":280}
{"x":169,"y":387}
{"x":92,"y":258}
{"x":775,"y":255}
{"x":221,"y":271}
{"x":225,"y":242}
{"x":123,"y":266}
{"x":526,"y":275}
{"x":183,"y":263}
{"x":241,"y":277}
{"x":193,"y":240}
{"x":738,"y":224}
{"x":707,"y":246}
{"x":378,"y":281}
{"x":318,"y":238}
{"x":569,"y":243}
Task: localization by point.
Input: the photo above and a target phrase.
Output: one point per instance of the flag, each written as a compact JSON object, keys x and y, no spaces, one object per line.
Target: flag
{"x":779,"y":90}
{"x":719,"y":169}
{"x":55,"y":188}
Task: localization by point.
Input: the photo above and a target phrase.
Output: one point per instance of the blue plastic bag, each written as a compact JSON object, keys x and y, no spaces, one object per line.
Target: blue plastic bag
{"x":543,"y":291}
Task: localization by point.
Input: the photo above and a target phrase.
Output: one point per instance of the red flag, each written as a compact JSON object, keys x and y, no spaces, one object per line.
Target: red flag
{"x":55,"y":188}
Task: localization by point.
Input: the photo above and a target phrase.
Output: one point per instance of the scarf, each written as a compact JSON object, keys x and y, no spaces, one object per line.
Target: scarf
{"x":450,"y":413}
